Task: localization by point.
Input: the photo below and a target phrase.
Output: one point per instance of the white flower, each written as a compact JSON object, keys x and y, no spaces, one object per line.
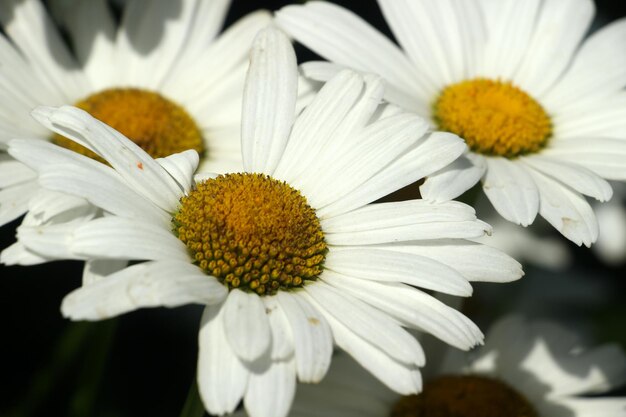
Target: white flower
{"x":162,"y":76}
{"x":543,"y":112}
{"x":541,"y":362}
{"x":288,"y":256}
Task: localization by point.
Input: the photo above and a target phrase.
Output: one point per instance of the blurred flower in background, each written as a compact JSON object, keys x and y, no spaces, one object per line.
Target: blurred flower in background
{"x":525,"y":369}
{"x":514,"y":79}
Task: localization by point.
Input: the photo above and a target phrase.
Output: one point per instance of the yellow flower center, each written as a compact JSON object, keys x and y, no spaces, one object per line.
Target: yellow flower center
{"x":464,"y":396}
{"x":159,"y":126}
{"x":252,"y":232}
{"x":494,"y":117}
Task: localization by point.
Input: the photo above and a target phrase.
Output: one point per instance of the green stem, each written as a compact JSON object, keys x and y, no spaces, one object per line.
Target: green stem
{"x":193,"y":404}
{"x":89,"y":379}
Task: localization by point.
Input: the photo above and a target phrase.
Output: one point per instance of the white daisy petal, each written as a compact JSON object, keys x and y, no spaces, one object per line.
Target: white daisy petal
{"x":14,"y":200}
{"x":38,"y":154}
{"x":368,"y":323}
{"x":604,"y":156}
{"x":558,"y":31}
{"x":415,"y":309}
{"x":510,"y":26}
{"x":313,"y":342}
{"x":18,"y":254}
{"x":269,"y":101}
{"x":431,"y":154}
{"x":605,"y":117}
{"x":52,"y":241}
{"x":341,"y":36}
{"x":566,"y":210}
{"x":435,"y":229}
{"x":29,"y":26}
{"x":149,"y":284}
{"x":388,"y":266}
{"x":131,"y":239}
{"x":14,"y":172}
{"x":136,"y":167}
{"x":246,"y":325}
{"x":580,"y":179}
{"x":101,"y":186}
{"x":445,"y":34}
{"x":282,"y":337}
{"x":270,"y":393}
{"x":222,"y":378}
{"x":476,"y":262}
{"x":455,"y":179}
{"x":181,"y":167}
{"x":216,"y":72}
{"x":51,"y":206}
{"x":400,"y":378}
{"x":92,"y":30}
{"x":314,"y":127}
{"x":378,"y":144}
{"x":511,"y":190}
{"x":324,"y":71}
{"x":581,"y":83}
{"x":410,"y":212}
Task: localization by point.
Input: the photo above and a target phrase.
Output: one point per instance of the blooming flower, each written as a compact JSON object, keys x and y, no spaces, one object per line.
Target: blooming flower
{"x":542,"y":111}
{"x":525,"y":369}
{"x":288,"y":256}
{"x":163,"y":77}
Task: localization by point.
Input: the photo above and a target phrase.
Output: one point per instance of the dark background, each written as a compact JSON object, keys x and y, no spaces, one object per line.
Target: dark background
{"x":144,"y":363}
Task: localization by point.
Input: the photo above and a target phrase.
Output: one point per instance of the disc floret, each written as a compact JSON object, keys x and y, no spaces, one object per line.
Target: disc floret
{"x":495,"y":118}
{"x":252,"y":232}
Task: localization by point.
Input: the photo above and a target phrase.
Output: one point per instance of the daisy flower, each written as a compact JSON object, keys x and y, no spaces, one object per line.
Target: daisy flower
{"x":525,"y":369}
{"x":287,"y":255}
{"x":162,"y":76}
{"x":541,"y":110}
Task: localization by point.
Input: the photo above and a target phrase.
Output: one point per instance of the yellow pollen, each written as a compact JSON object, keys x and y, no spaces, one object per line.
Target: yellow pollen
{"x":464,"y":396}
{"x":495,"y":118}
{"x":159,"y":126}
{"x":252,"y":232}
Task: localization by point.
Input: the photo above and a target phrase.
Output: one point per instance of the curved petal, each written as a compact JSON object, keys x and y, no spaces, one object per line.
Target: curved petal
{"x":388,"y":266}
{"x":511,"y":190}
{"x":602,"y":51}
{"x":149,"y":284}
{"x":269,"y":101}
{"x":579,"y":178}
{"x":453,"y":180}
{"x":341,"y":36}
{"x":222,"y":378}
{"x":313,"y":341}
{"x":566,"y":210}
{"x":246,"y":325}
{"x":403,"y":379}
{"x":270,"y":393}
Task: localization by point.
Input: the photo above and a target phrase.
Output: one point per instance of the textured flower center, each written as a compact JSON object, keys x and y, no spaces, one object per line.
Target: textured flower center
{"x":464,"y":396}
{"x":153,"y":122}
{"x":252,"y":232}
{"x":494,"y":117}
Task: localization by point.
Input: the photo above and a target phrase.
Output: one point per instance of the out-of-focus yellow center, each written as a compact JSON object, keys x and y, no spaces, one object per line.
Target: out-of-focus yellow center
{"x":495,"y":118}
{"x":160,"y":126}
{"x":464,"y":396}
{"x":252,"y":232}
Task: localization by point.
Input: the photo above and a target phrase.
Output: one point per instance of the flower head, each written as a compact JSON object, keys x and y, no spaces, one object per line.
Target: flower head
{"x":288,"y":255}
{"x":161,"y":76}
{"x":525,"y":369}
{"x":541,"y":110}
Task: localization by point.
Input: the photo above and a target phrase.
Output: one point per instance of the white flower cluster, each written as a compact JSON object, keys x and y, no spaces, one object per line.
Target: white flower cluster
{"x":185,"y":166}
